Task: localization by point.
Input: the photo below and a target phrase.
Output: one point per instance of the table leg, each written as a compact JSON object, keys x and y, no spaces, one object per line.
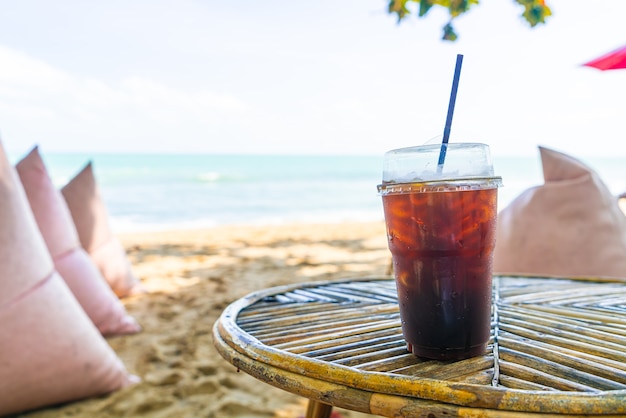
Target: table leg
{"x":318,"y":409}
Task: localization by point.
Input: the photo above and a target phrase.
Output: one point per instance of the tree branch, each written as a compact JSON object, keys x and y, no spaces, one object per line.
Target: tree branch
{"x":535,"y":11}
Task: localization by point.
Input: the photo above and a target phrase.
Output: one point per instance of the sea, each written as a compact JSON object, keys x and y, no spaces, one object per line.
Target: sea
{"x":147,"y":192}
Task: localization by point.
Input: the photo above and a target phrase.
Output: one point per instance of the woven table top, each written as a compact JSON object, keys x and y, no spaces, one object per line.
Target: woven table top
{"x":558,"y":346}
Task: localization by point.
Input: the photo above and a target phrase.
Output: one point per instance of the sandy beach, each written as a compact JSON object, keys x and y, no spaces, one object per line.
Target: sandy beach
{"x":190,"y":277}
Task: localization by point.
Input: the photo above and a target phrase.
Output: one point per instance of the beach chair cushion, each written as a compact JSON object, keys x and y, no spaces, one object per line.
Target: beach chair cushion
{"x":50,"y":350}
{"x":571,"y":225}
{"x":91,"y":218}
{"x":71,"y":261}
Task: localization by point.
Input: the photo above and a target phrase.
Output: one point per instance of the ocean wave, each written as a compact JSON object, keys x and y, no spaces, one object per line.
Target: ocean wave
{"x":217,"y":177}
{"x":209,"y":177}
{"x":129,"y":224}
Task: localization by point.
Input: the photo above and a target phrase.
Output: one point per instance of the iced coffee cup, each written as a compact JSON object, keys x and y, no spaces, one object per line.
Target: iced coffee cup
{"x":441,"y":224}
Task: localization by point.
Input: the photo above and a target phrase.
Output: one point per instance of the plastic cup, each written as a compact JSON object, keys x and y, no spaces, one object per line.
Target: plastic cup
{"x":441,"y":225}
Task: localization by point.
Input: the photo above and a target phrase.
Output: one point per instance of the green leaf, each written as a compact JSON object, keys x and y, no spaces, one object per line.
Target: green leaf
{"x":399,"y":8}
{"x":458,"y":7}
{"x":448,"y":33}
{"x":535,"y":11}
{"x":425,"y":6}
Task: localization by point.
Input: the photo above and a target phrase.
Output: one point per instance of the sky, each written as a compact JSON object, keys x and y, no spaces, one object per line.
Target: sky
{"x":304,"y":77}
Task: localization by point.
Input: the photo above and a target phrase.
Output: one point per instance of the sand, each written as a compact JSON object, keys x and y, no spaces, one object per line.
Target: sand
{"x":191,"y":276}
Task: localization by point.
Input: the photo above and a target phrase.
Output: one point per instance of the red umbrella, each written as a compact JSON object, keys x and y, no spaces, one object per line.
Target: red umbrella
{"x":614,"y":60}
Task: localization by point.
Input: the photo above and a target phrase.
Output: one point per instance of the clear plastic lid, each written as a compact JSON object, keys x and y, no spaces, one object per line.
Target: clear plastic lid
{"x":465,"y":166}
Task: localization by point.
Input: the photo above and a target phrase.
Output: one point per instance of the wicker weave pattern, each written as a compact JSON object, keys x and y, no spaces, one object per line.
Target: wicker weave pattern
{"x":557,"y":345}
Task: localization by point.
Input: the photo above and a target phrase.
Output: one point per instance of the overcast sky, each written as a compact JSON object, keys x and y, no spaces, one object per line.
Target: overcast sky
{"x":309,"y":76}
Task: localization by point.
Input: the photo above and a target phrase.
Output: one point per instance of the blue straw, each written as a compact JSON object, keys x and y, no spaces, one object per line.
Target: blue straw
{"x":446,"y":130}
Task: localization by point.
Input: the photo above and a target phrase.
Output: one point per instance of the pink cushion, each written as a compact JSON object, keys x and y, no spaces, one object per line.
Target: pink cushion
{"x":50,"y":350}
{"x":70,"y":259}
{"x":92,"y":223}
{"x":571,"y":225}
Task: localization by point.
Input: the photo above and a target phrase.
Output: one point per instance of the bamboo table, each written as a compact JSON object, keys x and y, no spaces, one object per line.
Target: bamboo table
{"x":558,"y":347}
